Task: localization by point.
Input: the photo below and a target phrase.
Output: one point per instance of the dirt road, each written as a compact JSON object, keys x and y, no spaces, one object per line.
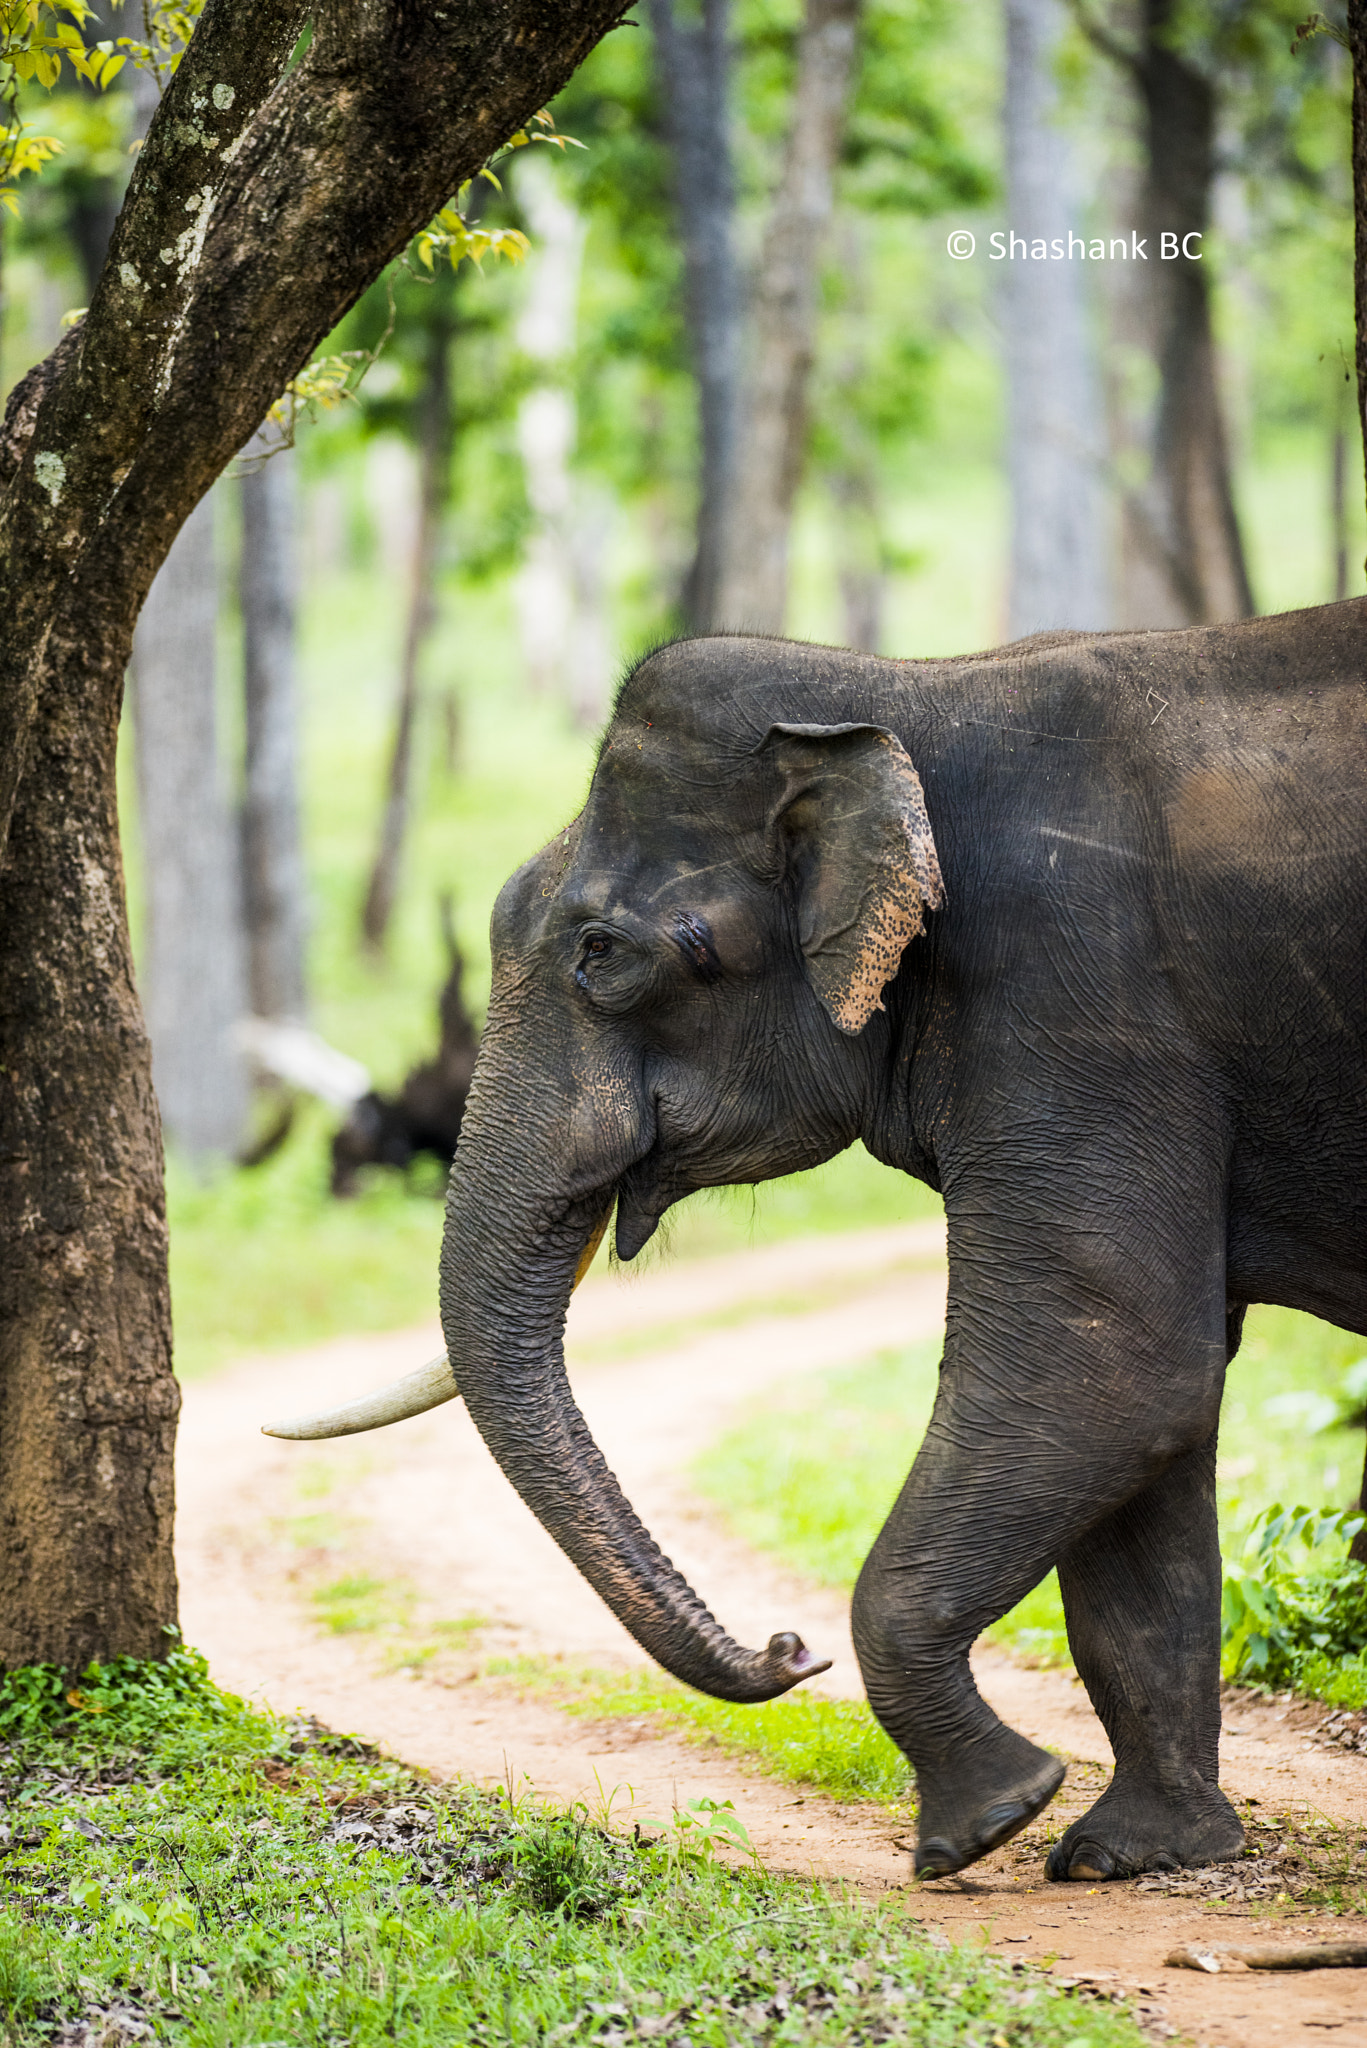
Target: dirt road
{"x":418,"y":1522}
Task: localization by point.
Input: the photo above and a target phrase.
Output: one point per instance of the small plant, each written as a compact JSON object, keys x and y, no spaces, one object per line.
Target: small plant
{"x":695,"y":1832}
{"x":565,"y":1865}
{"x":138,"y":1699}
{"x":1280,"y":1622}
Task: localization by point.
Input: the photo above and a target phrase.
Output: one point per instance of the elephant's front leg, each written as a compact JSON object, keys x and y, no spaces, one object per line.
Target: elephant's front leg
{"x":1142,"y":1596}
{"x":1031,"y":1449}
{"x":943,"y":1568}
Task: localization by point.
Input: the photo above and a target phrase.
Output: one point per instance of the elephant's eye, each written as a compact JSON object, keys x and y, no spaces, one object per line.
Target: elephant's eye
{"x":597,"y":950}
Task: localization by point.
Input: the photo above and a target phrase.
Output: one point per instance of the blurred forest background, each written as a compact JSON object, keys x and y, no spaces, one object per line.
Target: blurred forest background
{"x":738,"y":379}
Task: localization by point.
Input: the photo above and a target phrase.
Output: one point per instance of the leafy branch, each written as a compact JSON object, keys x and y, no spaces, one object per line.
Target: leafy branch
{"x":453,"y":236}
{"x":39,"y":38}
{"x":1317,"y":25}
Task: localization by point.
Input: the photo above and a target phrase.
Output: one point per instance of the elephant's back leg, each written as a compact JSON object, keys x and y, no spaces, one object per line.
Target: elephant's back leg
{"x":1142,"y":1596}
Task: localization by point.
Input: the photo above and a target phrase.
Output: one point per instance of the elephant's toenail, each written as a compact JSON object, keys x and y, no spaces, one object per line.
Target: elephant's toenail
{"x":937,"y":1858}
{"x":1001,"y":1822}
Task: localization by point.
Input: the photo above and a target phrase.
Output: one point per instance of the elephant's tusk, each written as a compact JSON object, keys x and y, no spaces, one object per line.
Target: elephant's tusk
{"x":416,"y":1392}
{"x":586,"y":1257}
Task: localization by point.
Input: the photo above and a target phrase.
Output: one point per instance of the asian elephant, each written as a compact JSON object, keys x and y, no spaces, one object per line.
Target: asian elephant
{"x":1074,"y":930}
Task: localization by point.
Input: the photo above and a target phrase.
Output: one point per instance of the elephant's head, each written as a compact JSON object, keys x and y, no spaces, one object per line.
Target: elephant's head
{"x":681,"y":981}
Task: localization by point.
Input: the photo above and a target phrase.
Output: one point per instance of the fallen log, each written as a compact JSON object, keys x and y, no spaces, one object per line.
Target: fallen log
{"x":1320,"y":1955}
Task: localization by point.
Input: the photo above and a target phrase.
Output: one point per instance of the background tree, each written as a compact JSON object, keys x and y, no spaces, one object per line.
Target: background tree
{"x":1055,"y":428}
{"x":268,"y":194}
{"x":194,"y":972}
{"x":1183,"y":550}
{"x":274,"y":888}
{"x":754,"y":585}
{"x":435,"y":425}
{"x":694,"y":66}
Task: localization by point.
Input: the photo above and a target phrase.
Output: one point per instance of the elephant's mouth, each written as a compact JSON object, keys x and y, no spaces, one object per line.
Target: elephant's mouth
{"x":644,"y":1192}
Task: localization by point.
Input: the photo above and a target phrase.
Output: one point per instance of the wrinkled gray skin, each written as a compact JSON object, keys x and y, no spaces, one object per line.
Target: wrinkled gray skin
{"x":1128,"y":1048}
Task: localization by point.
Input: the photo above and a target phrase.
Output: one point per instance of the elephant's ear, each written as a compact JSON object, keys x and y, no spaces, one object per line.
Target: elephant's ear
{"x":851,"y":820}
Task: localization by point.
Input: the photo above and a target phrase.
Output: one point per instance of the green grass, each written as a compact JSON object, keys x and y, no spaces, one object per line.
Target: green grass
{"x":810,"y":1477}
{"x":832,"y":1746}
{"x":265,"y":1881}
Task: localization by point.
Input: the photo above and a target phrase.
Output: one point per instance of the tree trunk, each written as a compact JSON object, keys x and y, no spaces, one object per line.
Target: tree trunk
{"x":273,"y":885}
{"x":1059,"y":525}
{"x":754,"y":584}
{"x":193,"y":972}
{"x":1182,"y":533}
{"x":436,"y":442}
{"x":307,"y":177}
{"x":1357,"y":1549}
{"x":693,"y":66}
{"x":1338,"y":509}
{"x":852,"y":474}
{"x":87,"y":1398}
{"x":1357,"y":45}
{"x":560,"y":589}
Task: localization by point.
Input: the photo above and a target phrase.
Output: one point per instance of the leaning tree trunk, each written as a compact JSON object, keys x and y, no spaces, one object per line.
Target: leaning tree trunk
{"x":754,"y":585}
{"x":1055,"y":461}
{"x":107,"y":447}
{"x":193,"y":970}
{"x":273,"y":887}
{"x":1182,"y":532}
{"x":693,"y":66}
{"x":436,"y":426}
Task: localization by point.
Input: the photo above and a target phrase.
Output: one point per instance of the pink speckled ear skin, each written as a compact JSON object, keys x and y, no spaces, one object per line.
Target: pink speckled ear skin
{"x":854,"y":815}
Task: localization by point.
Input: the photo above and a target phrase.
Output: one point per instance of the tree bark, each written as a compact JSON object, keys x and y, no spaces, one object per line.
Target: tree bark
{"x":754,"y":584}
{"x":273,"y":884}
{"x":693,"y":66}
{"x":436,"y":427}
{"x":547,"y":424}
{"x":87,"y":1398}
{"x":264,"y":201}
{"x":193,"y":974}
{"x":1338,"y":510}
{"x":1060,"y":569}
{"x":1357,"y":46}
{"x":1182,"y":532}
{"x":852,"y":471}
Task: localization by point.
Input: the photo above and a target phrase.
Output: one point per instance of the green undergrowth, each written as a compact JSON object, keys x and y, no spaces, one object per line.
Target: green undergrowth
{"x":229,"y":1879}
{"x":1295,"y":1607}
{"x":832,"y":1746}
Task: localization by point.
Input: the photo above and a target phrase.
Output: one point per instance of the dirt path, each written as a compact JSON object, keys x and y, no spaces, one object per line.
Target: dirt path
{"x":421,"y":1517}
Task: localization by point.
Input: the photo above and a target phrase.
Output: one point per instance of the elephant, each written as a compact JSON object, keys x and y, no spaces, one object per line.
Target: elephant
{"x":1073,"y":930}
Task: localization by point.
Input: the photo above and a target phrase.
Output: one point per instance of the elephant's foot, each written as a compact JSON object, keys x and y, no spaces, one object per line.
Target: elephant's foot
{"x":1137,"y":1827}
{"x":986,"y":1802}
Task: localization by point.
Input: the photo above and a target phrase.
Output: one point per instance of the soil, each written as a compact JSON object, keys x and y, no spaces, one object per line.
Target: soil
{"x":416,"y":1527}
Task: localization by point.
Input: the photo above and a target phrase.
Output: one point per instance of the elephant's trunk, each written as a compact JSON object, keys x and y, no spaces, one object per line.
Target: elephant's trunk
{"x":508,"y":1264}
